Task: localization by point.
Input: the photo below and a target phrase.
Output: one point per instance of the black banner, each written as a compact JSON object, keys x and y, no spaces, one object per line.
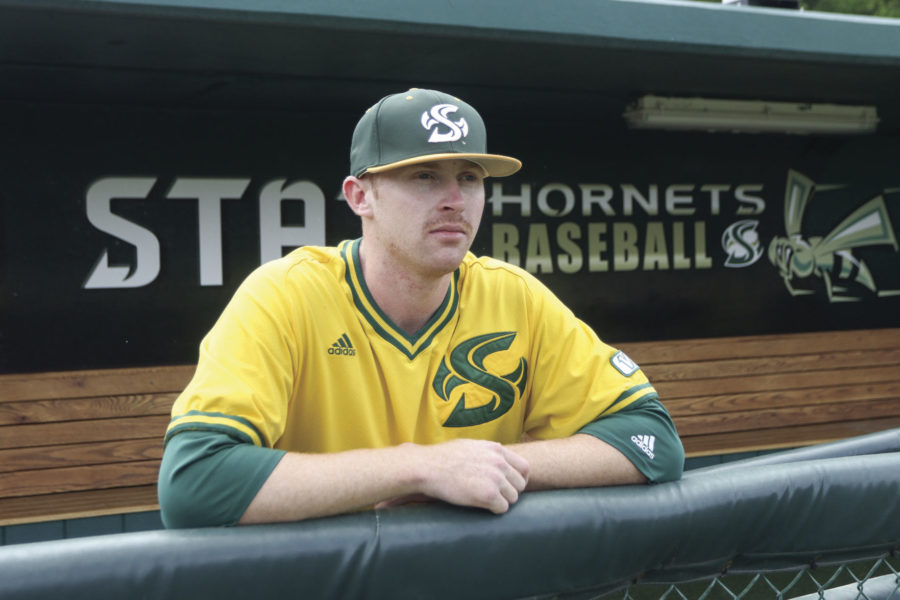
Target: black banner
{"x":126,"y":230}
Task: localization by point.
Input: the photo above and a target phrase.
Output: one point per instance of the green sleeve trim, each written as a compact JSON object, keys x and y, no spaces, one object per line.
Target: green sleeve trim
{"x":631,"y":392}
{"x":208,"y":478}
{"x":195,"y":420}
{"x":645,"y":434}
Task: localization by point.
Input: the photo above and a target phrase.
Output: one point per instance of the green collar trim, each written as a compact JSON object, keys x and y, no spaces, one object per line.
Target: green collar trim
{"x":410,"y":345}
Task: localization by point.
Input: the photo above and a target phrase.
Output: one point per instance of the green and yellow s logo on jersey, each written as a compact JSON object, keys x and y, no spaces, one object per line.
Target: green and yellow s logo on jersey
{"x":466,"y":366}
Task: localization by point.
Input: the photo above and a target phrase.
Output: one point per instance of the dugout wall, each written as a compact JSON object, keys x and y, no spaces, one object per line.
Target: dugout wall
{"x":155,"y":151}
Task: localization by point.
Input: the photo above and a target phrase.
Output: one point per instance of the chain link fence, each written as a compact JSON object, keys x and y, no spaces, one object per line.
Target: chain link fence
{"x":877,"y":579}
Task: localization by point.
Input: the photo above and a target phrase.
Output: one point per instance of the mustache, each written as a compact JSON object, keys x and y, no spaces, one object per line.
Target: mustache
{"x":454,"y":223}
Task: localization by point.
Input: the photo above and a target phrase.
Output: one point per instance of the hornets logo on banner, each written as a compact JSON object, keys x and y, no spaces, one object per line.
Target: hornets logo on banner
{"x":741,"y":244}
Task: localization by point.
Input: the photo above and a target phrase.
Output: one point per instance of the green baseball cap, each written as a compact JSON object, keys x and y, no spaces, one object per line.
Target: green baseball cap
{"x":421,"y":126}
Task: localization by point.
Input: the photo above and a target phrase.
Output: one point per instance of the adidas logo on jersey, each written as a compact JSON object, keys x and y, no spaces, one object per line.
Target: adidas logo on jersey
{"x":645,"y":443}
{"x":342,"y":347}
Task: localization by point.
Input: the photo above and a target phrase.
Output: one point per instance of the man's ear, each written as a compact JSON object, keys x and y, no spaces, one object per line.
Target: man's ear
{"x":356,"y":191}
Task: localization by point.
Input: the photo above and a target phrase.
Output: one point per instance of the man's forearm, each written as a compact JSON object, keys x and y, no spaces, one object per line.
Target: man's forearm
{"x":313,"y":485}
{"x":577,"y":461}
{"x":466,"y":472}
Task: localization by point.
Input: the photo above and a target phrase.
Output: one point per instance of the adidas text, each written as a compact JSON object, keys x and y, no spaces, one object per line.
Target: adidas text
{"x":342,"y":351}
{"x":342,"y":347}
{"x":645,"y":443}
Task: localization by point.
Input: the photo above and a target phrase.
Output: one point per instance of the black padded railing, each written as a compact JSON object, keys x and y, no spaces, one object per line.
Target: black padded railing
{"x":805,"y":508}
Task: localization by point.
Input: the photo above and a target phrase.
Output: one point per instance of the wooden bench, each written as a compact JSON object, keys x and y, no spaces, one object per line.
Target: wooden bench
{"x":88,"y":443}
{"x":83,"y":443}
{"x":745,"y":394}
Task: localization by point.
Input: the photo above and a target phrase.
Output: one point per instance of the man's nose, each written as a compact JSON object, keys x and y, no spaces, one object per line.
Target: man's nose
{"x":452,"y":196}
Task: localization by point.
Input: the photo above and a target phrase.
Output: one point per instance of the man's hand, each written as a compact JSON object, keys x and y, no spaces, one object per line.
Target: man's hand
{"x":466,"y":472}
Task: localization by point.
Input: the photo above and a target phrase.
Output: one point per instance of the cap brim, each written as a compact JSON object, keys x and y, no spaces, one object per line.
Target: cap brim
{"x":494,"y":165}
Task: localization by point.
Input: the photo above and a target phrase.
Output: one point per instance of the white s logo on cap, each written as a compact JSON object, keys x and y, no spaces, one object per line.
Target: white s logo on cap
{"x":437,"y":116}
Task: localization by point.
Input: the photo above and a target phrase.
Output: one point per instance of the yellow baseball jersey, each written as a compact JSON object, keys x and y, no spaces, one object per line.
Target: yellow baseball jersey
{"x":302,"y":359}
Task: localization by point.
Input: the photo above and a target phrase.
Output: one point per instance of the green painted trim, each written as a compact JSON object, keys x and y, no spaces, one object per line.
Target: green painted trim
{"x":666,"y":25}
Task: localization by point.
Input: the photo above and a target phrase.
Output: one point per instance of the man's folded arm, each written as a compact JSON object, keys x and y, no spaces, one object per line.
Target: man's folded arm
{"x":637,"y":444}
{"x":208,"y":478}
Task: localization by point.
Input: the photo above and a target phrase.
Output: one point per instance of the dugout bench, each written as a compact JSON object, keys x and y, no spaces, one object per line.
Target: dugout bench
{"x":88,"y":443}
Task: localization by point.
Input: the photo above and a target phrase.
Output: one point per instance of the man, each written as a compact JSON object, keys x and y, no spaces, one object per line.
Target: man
{"x":399,"y":366}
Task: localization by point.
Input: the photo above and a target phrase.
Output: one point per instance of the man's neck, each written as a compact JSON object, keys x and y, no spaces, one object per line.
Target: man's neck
{"x":409,"y":300}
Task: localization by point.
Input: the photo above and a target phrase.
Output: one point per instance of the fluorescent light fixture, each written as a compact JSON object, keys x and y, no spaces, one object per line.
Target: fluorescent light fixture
{"x":794,"y":4}
{"x":749,"y":116}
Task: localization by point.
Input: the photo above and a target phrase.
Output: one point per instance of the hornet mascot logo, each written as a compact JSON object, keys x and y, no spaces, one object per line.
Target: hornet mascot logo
{"x":466,"y":365}
{"x":830,"y":257}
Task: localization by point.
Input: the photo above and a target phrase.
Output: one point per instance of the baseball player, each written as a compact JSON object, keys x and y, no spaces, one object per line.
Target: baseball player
{"x":400,"y":366}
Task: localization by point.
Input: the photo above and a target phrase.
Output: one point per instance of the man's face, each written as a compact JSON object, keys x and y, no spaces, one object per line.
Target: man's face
{"x":424,"y":217}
